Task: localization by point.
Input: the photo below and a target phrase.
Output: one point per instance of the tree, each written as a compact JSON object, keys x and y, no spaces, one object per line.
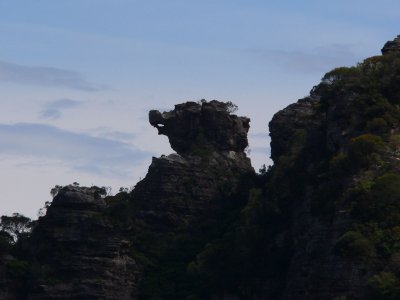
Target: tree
{"x":43,"y":210}
{"x":231,"y":107}
{"x":54,"y":191}
{"x":6,"y":241}
{"x":15,"y":225}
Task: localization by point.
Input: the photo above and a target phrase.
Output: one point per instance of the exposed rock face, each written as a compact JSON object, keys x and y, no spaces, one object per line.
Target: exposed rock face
{"x":77,"y":251}
{"x":210,"y":143}
{"x":295,"y":117}
{"x":315,"y":271}
{"x":208,"y":125}
{"x":330,"y":151}
{"x":81,"y":254}
{"x":392,"y":46}
{"x":180,"y":188}
{"x":307,"y":139}
{"x":177,"y":191}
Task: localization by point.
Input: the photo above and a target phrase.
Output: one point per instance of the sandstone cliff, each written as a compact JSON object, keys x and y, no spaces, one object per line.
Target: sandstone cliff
{"x":88,"y":246}
{"x":336,"y":149}
{"x":322,"y":223}
{"x":210,"y":160}
{"x":80,"y":253}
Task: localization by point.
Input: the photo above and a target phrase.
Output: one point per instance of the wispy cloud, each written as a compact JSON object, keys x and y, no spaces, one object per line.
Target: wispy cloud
{"x":110,"y":133}
{"x":53,"y":110}
{"x":45,"y":76}
{"x":321,"y":59}
{"x":80,"y":151}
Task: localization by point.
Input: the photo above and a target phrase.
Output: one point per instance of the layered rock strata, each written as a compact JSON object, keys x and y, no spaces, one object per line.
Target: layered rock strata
{"x":182,"y":187}
{"x":315,"y":270}
{"x":319,"y":148}
{"x":81,"y":254}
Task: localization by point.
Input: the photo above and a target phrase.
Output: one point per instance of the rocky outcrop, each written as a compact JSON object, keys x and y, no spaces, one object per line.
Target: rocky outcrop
{"x":81,"y":254}
{"x":208,"y":125}
{"x":178,"y":191}
{"x":315,"y":271}
{"x":290,"y":121}
{"x":321,"y":223}
{"x":79,"y":250}
{"x":210,"y":160}
{"x":392,"y":46}
{"x":312,"y":143}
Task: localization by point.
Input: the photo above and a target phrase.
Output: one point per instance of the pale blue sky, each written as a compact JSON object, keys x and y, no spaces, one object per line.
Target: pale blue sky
{"x":77,"y":77}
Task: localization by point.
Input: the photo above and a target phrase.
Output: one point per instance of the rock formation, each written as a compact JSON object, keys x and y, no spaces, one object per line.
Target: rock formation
{"x":81,"y":254}
{"x":207,"y":125}
{"x":326,"y":147}
{"x":391,"y":46}
{"x":304,"y":131}
{"x":82,"y":251}
{"x":209,"y":162}
{"x":321,"y":223}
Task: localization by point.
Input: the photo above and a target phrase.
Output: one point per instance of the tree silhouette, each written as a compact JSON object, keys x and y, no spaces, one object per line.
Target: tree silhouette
{"x":15,"y":225}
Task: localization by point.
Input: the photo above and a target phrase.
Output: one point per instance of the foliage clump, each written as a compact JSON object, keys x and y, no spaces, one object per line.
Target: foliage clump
{"x":364,"y":150}
{"x":250,"y":240}
{"x":15,"y":226}
{"x":353,"y":244}
{"x":382,"y":203}
{"x":384,"y":286}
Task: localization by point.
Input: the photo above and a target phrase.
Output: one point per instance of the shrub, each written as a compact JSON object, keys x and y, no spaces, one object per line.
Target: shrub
{"x":231,"y":107}
{"x":339,"y":74}
{"x":6,"y":241}
{"x":354,"y":244}
{"x":363,"y":148}
{"x":384,"y":286}
{"x":378,"y":126}
{"x":339,"y":164}
{"x":382,"y":203}
{"x":18,"y":268}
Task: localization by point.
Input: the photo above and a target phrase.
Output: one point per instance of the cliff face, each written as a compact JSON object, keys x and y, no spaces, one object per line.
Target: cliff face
{"x":206,"y":125}
{"x":322,"y":223}
{"x":392,"y":46}
{"x":308,"y":135}
{"x":88,"y":246}
{"x":80,"y":253}
{"x":336,"y":149}
{"x":210,"y":159}
{"x":182,"y":203}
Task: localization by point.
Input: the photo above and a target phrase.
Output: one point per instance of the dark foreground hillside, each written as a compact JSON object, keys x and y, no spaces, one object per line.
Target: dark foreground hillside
{"x":322,"y":223}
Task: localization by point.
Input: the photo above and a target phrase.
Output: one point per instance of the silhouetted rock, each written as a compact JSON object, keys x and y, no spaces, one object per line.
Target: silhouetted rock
{"x":82,"y":256}
{"x":79,"y":251}
{"x":305,"y":134}
{"x":209,"y":163}
{"x":286,"y":123}
{"x":392,"y":46}
{"x":321,"y":223}
{"x":209,"y":125}
{"x":318,"y":178}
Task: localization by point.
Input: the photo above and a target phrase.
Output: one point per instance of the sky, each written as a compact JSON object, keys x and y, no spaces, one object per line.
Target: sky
{"x":78,"y":77}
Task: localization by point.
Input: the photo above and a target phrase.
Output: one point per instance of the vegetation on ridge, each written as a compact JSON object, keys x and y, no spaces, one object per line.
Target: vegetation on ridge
{"x":333,"y":192}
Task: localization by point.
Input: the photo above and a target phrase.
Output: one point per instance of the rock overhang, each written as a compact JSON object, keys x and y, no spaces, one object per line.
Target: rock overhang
{"x":194,"y":126}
